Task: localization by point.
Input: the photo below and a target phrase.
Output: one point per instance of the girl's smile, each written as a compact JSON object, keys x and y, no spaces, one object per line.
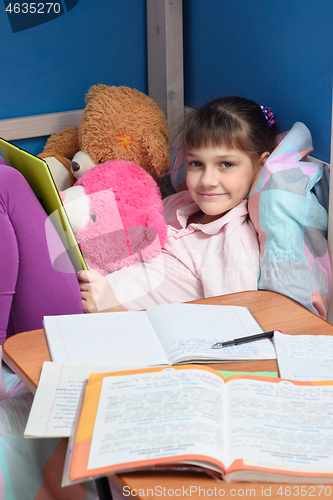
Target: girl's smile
{"x":211,"y":195}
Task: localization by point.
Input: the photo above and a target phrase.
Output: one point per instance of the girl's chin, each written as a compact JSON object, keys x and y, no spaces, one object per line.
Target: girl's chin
{"x":210,"y":210}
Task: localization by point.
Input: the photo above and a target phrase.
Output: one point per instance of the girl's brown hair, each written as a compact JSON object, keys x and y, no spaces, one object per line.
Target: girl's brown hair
{"x":234,"y":122}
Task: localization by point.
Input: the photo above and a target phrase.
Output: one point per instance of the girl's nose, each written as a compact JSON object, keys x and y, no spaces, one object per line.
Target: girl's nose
{"x":209,"y":177}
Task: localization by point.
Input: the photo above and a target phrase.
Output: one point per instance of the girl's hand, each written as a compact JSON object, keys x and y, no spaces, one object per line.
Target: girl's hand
{"x":97,"y":294}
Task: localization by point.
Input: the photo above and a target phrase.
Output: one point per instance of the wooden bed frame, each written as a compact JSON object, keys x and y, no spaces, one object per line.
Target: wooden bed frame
{"x":165,"y":86}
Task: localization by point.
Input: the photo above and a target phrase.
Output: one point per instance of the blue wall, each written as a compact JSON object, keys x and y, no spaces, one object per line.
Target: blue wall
{"x":49,"y":68}
{"x":277,"y":52}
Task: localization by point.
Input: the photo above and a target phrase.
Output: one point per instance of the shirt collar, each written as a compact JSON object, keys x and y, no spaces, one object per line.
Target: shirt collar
{"x":214,"y":227}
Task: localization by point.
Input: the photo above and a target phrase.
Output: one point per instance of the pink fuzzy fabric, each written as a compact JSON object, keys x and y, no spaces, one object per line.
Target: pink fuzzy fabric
{"x":127,"y":222}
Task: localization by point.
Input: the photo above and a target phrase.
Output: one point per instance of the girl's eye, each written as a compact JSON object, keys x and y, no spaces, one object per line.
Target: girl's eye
{"x":196,"y":164}
{"x":226,"y":164}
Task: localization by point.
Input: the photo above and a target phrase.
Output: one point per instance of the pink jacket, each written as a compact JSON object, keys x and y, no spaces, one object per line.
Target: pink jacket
{"x":197,"y":261}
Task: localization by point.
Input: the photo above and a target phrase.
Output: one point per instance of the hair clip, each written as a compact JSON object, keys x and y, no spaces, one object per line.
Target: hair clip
{"x":269,"y":115}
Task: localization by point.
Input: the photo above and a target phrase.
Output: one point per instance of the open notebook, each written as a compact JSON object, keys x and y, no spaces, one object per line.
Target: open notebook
{"x":38,"y":175}
{"x":166,"y":334}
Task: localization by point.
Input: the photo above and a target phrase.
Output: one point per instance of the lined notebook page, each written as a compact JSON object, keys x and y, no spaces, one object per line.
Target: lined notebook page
{"x":121,"y":339}
{"x":185,"y":329}
{"x":304,"y":357}
{"x":57,"y":397}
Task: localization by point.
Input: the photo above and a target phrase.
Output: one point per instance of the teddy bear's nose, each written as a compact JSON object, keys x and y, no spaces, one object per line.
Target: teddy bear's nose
{"x":75,"y":166}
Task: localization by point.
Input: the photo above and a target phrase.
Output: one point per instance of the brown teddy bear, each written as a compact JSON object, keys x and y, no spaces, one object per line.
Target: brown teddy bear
{"x":117,"y":123}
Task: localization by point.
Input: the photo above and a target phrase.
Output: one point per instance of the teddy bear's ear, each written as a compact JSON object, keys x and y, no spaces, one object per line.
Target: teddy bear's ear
{"x":94,"y":90}
{"x":64,"y":143}
{"x":157,"y":147}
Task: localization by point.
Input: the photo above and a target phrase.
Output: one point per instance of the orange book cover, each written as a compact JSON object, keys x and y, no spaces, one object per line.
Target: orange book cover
{"x":190,"y":416}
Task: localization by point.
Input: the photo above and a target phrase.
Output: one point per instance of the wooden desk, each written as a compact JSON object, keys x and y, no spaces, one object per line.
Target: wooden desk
{"x":26,"y":352}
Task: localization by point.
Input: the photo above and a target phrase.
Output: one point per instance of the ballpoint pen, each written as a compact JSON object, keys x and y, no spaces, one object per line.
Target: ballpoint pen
{"x":244,"y":340}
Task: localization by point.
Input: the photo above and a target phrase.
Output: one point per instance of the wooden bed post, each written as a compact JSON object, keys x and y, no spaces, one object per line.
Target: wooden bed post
{"x":165,"y":58}
{"x":330,"y":221}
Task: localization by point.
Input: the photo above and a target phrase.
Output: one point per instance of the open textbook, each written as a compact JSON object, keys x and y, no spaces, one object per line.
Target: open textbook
{"x":58,"y":394}
{"x":166,"y":334}
{"x":304,"y":357}
{"x":241,"y":428}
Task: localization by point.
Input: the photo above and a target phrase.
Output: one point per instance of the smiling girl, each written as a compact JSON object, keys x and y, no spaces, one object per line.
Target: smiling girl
{"x":212,"y":247}
{"x":218,"y":179}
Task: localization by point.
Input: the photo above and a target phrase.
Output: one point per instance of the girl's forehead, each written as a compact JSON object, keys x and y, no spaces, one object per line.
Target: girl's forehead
{"x":216,"y":151}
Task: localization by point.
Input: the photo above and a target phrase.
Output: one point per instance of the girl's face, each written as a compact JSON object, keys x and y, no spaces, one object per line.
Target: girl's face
{"x":219,"y":178}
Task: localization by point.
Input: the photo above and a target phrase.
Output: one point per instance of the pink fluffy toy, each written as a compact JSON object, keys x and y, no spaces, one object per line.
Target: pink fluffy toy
{"x":116,"y":211}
